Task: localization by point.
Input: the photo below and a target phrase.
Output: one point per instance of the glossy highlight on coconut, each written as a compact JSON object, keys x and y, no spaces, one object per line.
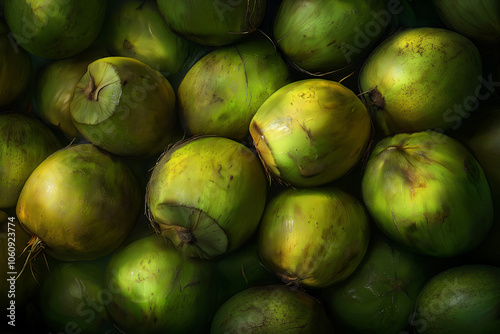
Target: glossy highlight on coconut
{"x":79,"y":204}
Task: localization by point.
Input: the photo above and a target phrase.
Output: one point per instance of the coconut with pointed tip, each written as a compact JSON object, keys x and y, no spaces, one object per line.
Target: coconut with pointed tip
{"x":124,"y":107}
{"x":207,"y":195}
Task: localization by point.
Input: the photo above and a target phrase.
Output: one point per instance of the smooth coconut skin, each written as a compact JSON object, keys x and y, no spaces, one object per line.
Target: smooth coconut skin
{"x":213,"y":23}
{"x":81,"y":202}
{"x":416,"y":77}
{"x":155,"y":289}
{"x":311,"y":132}
{"x":137,"y":29}
{"x":478,"y":20}
{"x":313,"y":237}
{"x":25,"y":142}
{"x":55,"y":29}
{"x":207,"y":195}
{"x":55,"y":84}
{"x":15,"y":69}
{"x":271,"y":309}
{"x":379,"y":297}
{"x":427,"y":191}
{"x":124,"y":107}
{"x":74,"y":293}
{"x":328,"y":35}
{"x":222,"y":92}
{"x":461,"y":300}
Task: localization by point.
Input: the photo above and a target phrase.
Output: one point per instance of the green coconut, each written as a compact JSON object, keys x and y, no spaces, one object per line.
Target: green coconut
{"x":329,"y":35}
{"x":55,"y":29}
{"x":15,"y":70}
{"x":214,"y":23}
{"x":460,"y":300}
{"x":55,"y":84}
{"x":73,"y":297}
{"x":427,"y":191}
{"x":124,"y":107}
{"x":311,"y":132}
{"x":379,"y":297}
{"x":137,"y":29}
{"x":155,"y":289}
{"x":25,"y":141}
{"x":207,"y":195}
{"x":313,"y":237}
{"x":478,"y":20}
{"x":420,"y":79}
{"x":79,"y":204}
{"x":222,"y":92}
{"x":271,"y":309}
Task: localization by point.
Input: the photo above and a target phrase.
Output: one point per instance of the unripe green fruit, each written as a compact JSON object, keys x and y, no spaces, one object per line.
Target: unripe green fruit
{"x":125,"y":107}
{"x":311,"y":132}
{"x":329,"y":35}
{"x":25,"y":142}
{"x":379,"y":297}
{"x":313,"y":237}
{"x":222,"y":92}
{"x":478,"y":20}
{"x":155,"y":289}
{"x":207,"y":195}
{"x":137,"y":29}
{"x":427,"y":191}
{"x":420,"y":79}
{"x":214,"y":23}
{"x":55,"y":29}
{"x":80,"y":203}
{"x":271,"y":309}
{"x":55,"y":84}
{"x":460,"y":300}
{"x":73,"y":296}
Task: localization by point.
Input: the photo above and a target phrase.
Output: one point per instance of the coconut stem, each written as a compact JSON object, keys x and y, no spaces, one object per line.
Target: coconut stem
{"x":186,"y":236}
{"x":377,"y":99}
{"x":90,"y":92}
{"x":293,"y":282}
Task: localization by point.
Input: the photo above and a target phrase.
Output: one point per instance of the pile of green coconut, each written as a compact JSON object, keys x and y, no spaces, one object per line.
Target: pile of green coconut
{"x":250,"y":166}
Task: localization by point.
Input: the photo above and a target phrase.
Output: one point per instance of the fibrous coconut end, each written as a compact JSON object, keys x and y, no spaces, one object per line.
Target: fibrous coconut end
{"x":97,"y":94}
